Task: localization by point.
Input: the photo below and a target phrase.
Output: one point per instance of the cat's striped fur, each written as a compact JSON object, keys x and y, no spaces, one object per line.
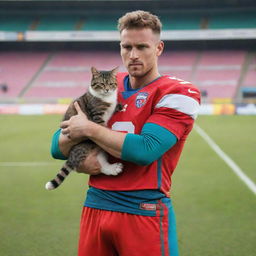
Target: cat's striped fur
{"x":98,"y":103}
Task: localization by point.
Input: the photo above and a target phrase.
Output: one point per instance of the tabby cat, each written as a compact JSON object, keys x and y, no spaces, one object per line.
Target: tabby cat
{"x":99,"y":103}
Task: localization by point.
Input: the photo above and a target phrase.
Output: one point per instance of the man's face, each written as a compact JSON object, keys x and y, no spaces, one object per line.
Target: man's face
{"x":140,"y":49}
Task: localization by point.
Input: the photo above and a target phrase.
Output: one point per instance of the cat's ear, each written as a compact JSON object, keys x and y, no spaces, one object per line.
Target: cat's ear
{"x":114,"y":71}
{"x":94,"y":71}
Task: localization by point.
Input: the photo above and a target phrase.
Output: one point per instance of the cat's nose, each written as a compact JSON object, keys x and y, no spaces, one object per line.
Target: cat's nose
{"x":106,"y":90}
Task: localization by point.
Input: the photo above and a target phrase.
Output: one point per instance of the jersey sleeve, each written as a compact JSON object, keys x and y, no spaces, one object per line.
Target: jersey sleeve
{"x":151,"y":144}
{"x":55,"y":149}
{"x":177,"y":109}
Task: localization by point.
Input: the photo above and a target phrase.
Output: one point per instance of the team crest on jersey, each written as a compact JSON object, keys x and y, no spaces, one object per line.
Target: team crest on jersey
{"x":141,"y":99}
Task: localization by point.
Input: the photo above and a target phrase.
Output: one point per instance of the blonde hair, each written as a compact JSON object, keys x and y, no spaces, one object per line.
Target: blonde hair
{"x":140,"y":19}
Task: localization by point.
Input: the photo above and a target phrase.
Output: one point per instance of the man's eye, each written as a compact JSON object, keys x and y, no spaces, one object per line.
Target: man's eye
{"x":128,"y":47}
{"x":141,"y":47}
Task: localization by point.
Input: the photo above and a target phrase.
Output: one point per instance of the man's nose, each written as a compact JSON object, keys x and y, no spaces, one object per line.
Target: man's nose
{"x":134,"y":54}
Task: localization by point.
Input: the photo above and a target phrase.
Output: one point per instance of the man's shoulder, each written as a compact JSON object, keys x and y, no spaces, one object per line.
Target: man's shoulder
{"x":174,"y":85}
{"x":173,"y":81}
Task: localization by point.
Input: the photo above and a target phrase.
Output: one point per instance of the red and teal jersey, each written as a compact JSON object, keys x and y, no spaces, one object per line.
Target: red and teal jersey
{"x":167,"y":101}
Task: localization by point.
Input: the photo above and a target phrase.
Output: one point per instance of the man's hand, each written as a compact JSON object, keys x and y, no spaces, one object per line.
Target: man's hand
{"x":91,"y":164}
{"x":75,"y":128}
{"x":79,"y":127}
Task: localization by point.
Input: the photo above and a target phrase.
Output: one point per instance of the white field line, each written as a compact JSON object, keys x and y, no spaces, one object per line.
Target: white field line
{"x":21,"y":164}
{"x":234,"y":167}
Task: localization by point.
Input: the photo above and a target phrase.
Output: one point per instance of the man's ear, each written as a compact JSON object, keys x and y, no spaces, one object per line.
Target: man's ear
{"x":159,"y":48}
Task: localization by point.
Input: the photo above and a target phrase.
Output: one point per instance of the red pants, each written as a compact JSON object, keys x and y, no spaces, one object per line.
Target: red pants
{"x":107,"y":233}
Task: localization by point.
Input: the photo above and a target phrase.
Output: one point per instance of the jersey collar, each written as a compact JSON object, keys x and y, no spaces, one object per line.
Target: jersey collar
{"x":129,"y":91}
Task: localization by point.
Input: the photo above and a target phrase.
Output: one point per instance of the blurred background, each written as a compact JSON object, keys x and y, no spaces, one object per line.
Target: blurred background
{"x":46,"y":51}
{"x":48,"y":47}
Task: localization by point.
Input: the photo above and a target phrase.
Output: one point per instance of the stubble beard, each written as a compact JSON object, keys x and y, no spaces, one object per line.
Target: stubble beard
{"x":136,"y":72}
{"x":140,"y":74}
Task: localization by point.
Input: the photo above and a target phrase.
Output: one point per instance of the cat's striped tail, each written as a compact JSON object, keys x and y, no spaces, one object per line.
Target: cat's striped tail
{"x":60,"y":177}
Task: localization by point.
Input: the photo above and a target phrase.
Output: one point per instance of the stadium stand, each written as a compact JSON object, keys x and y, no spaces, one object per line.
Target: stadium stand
{"x":181,"y":21}
{"x":173,"y":21}
{"x":250,"y":78}
{"x":222,"y":75}
{"x":66,"y":74}
{"x":217,"y":74}
{"x":232,"y":20}
{"x":248,"y":85}
{"x":104,"y":22}
{"x":178,"y":64}
{"x":57,"y":23}
{"x":17,"y":69}
{"x":15,"y":22}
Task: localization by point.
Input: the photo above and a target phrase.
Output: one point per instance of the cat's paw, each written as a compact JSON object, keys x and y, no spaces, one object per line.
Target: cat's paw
{"x":113,"y":169}
{"x":118,"y":168}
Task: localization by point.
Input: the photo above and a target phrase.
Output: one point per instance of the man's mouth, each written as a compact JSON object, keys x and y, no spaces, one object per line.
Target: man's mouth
{"x":135,"y":64}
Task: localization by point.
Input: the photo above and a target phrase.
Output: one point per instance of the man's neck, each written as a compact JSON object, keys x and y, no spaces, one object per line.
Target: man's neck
{"x":139,"y":82}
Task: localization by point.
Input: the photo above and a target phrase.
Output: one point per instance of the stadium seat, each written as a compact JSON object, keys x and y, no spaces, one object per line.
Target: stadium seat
{"x":57,"y":23}
{"x":232,"y":20}
{"x":101,"y":22}
{"x":15,"y":23}
{"x":250,"y":78}
{"x":181,"y":21}
{"x":17,"y":69}
{"x":68,"y":74}
{"x":173,"y":21}
{"x":177,"y":64}
{"x":248,"y":85}
{"x":217,"y":74}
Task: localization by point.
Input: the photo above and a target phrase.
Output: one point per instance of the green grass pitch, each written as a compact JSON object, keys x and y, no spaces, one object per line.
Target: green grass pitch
{"x":215,"y":211}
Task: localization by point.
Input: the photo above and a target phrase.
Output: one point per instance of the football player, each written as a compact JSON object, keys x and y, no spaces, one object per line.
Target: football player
{"x":131,"y":214}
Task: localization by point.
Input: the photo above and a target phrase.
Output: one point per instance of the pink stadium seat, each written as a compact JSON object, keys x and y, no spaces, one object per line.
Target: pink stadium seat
{"x":219,"y":91}
{"x":101,"y":60}
{"x":177,"y":64}
{"x":217,"y":58}
{"x":218,"y":73}
{"x":184,"y":58}
{"x":53,"y":77}
{"x":54,"y":93}
{"x":253,"y":63}
{"x":68,"y":73}
{"x":250,"y":78}
{"x":17,"y":69}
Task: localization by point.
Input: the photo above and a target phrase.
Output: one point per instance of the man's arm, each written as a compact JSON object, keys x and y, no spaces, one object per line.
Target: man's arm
{"x":78,"y":127}
{"x":55,"y":148}
{"x":142,"y":149}
{"x":65,"y":144}
{"x":61,"y":146}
